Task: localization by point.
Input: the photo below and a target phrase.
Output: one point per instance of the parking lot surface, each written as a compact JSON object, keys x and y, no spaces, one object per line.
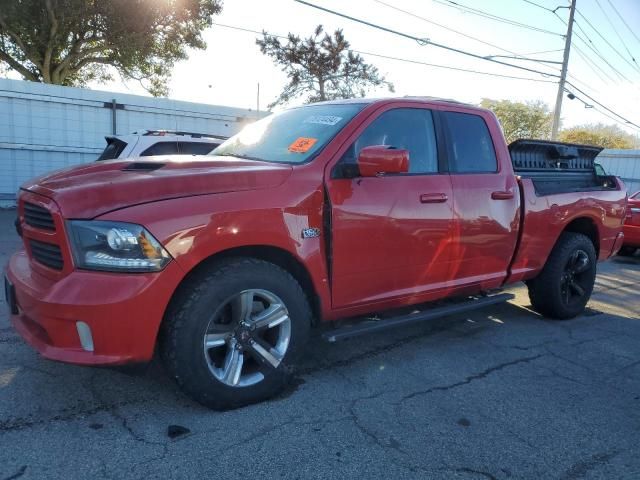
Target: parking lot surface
{"x":497,"y":394}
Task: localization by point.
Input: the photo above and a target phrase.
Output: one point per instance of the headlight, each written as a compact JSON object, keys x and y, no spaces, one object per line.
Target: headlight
{"x":115,"y":246}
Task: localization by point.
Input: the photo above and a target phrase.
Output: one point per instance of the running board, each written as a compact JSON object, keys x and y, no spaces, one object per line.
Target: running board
{"x":364,"y":327}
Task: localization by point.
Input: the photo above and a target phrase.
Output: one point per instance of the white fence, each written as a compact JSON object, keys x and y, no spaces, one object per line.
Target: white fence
{"x":47,"y":127}
{"x":624,"y":164}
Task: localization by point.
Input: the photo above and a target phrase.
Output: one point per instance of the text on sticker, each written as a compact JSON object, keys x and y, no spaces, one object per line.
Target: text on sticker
{"x":302,"y":144}
{"x":322,"y":119}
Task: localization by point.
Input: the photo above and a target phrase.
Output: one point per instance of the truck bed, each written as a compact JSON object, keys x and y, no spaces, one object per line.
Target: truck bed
{"x":556,"y":167}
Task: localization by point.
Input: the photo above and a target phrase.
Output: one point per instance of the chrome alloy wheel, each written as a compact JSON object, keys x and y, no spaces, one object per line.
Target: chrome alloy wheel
{"x":575,"y":278}
{"x":247,"y":335}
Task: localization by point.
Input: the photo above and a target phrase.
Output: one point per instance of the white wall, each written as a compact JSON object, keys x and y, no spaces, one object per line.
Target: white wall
{"x":46,"y":127}
{"x":624,"y":164}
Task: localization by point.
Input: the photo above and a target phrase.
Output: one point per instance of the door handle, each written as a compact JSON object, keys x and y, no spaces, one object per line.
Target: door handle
{"x":433,"y":198}
{"x":502,"y":195}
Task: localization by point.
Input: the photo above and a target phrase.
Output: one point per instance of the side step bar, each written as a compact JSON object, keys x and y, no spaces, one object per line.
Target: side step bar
{"x":430,"y":314}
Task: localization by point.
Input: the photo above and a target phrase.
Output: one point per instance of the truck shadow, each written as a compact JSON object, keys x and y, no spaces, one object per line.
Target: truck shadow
{"x":89,"y":392}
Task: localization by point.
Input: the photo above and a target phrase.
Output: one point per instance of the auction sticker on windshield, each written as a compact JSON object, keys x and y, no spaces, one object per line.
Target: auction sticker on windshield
{"x":302,"y":144}
{"x":323,"y":119}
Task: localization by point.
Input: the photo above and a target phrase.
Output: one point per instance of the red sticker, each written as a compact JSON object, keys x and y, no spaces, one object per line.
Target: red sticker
{"x":302,"y":144}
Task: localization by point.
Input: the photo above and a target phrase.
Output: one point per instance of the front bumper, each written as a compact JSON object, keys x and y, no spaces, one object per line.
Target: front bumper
{"x":631,"y":235}
{"x":123,"y":312}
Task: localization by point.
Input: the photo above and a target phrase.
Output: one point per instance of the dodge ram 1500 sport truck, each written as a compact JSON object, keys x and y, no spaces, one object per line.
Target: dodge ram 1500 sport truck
{"x":325,"y":212}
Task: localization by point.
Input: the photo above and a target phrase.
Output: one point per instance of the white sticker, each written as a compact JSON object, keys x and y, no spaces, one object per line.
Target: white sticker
{"x":323,"y":119}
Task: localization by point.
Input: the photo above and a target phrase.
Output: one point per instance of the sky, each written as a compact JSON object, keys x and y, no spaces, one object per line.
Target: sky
{"x":229,"y":70}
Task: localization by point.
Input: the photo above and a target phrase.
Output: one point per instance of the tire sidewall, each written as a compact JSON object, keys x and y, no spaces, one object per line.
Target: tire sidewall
{"x":189,"y":363}
{"x":552,"y":275}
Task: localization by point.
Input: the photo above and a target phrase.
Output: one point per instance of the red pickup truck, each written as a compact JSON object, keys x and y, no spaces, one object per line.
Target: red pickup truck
{"x":320,"y":213}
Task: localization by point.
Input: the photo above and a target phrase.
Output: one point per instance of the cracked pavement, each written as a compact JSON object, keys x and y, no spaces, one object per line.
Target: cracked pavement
{"x":497,"y":394}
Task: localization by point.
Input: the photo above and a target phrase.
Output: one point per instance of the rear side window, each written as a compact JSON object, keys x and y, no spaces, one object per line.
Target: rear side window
{"x":161,"y":148}
{"x":113,"y":149}
{"x":471,"y":147}
{"x":403,"y":128}
{"x":196,"y":148}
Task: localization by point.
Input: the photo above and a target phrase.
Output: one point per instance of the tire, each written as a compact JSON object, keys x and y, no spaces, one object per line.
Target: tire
{"x":571,"y":267}
{"x":627,"y":251}
{"x":234,"y":310}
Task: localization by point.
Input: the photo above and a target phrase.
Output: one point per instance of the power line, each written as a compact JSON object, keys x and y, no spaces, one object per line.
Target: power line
{"x":623,"y":20}
{"x":538,"y":5}
{"x":615,"y":30}
{"x":544,"y":51}
{"x":603,"y":113}
{"x":608,"y":43}
{"x":406,"y":60}
{"x":482,"y":13}
{"x":441,"y":26}
{"x":627,"y":122}
{"x":423,"y":41}
{"x":411,"y":14}
{"x":418,"y":62}
{"x":516,"y":55}
{"x":603,"y":106}
{"x":597,"y":52}
{"x":594,"y":67}
{"x":594,"y":50}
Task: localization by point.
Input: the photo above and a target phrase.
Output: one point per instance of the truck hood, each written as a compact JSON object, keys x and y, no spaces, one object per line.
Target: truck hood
{"x":87,"y":191}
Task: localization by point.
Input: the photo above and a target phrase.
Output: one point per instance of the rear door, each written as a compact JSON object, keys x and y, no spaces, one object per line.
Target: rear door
{"x":390,"y":234}
{"x":485,"y":201}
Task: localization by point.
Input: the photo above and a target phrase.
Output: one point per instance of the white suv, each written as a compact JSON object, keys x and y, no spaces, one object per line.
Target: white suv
{"x":159,"y":142}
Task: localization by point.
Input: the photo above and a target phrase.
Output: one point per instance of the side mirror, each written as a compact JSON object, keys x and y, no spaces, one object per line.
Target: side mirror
{"x":378,"y":160}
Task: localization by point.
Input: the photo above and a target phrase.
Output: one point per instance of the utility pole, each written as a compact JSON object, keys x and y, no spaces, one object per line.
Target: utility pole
{"x":258,"y":101}
{"x":563,"y":74}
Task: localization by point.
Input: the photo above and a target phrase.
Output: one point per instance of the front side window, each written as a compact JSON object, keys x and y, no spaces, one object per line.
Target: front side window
{"x":410,"y":129}
{"x":470,"y":142}
{"x":291,"y":136}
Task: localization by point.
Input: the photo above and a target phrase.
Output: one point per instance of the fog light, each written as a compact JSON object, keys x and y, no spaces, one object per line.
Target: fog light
{"x":86,"y":339}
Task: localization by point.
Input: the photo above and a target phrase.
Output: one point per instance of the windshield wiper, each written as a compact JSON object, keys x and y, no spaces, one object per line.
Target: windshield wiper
{"x":244,"y":157}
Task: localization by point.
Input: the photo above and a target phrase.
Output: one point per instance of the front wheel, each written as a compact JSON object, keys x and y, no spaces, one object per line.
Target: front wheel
{"x":233,"y":334}
{"x":564,"y":286}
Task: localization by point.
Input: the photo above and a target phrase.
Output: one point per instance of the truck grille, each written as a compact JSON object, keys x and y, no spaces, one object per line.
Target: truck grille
{"x":38,"y":217}
{"x":46,"y":254}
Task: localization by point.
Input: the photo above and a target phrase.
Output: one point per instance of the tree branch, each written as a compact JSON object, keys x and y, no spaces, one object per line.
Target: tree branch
{"x":17,"y":66}
{"x":46,"y":63}
{"x":18,"y":41}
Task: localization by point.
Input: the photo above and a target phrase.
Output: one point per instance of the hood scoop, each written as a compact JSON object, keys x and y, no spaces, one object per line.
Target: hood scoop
{"x":143,"y":166}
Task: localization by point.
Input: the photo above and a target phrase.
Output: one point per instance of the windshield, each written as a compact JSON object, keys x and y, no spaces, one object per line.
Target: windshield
{"x":291,"y":136}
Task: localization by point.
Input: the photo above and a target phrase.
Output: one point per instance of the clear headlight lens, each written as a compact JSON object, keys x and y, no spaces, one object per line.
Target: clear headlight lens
{"x":115,"y":247}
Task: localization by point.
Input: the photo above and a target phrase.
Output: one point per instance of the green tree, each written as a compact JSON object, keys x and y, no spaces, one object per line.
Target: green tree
{"x":606,"y":136}
{"x":521,"y":120}
{"x":72,"y":42}
{"x":320,"y":67}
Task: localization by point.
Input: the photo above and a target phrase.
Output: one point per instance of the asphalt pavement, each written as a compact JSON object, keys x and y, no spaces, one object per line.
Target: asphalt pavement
{"x":497,"y":394}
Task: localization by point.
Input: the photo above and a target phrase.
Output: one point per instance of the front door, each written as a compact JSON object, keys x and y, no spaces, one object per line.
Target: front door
{"x":391,"y":234}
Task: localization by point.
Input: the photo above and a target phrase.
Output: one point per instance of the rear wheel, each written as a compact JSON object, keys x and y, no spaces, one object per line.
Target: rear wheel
{"x":564,"y":286}
{"x":627,"y":251}
{"x":233,"y":335}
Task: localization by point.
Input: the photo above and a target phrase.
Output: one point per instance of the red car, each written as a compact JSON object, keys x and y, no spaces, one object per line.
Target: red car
{"x":631,"y":227}
{"x":316,"y":214}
